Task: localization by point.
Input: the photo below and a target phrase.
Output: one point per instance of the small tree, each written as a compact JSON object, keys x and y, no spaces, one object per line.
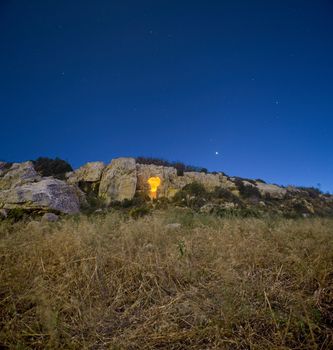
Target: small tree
{"x":52,"y":167}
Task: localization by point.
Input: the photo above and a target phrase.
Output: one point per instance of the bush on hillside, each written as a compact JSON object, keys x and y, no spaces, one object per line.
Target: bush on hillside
{"x":179,"y":166}
{"x":313,"y":192}
{"x":239,"y":213}
{"x":5,"y":166}
{"x":195,"y":189}
{"x":248,"y":191}
{"x":193,"y":195}
{"x":52,"y":167}
{"x":139,"y":212}
{"x":225,"y":194}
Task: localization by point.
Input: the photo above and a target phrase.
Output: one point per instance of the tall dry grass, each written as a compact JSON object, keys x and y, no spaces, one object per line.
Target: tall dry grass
{"x":102,"y":282}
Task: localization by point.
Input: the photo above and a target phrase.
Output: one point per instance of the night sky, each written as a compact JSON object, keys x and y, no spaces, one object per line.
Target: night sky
{"x":244,"y":87}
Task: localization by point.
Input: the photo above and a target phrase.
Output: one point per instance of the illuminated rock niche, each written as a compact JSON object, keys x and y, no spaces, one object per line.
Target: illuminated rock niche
{"x":154,"y":182}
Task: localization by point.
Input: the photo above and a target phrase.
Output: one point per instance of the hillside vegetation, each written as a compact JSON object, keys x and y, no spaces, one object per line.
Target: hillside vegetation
{"x":107,"y":281}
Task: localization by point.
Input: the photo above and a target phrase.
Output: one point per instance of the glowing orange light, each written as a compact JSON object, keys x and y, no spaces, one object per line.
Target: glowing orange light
{"x":154,"y":182}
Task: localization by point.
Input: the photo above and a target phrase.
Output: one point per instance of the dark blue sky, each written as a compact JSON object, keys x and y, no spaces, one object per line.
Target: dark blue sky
{"x":97,"y":79}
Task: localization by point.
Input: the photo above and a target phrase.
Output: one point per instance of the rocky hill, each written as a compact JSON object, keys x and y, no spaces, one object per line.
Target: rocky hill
{"x":97,"y":185}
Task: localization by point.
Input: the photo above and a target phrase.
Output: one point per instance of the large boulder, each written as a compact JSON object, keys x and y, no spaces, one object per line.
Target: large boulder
{"x":146,"y":171}
{"x":90,"y":172}
{"x":47,"y":194}
{"x":17,"y":174}
{"x":273,"y":191}
{"x":118,"y":180}
{"x":87,"y":177}
{"x":209,"y":181}
{"x":50,"y":217}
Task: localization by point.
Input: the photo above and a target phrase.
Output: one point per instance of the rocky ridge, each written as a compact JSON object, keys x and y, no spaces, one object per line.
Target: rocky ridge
{"x":123,"y":179}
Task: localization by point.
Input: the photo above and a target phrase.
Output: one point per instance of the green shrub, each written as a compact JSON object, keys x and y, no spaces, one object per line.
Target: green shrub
{"x":125,"y":204}
{"x":239,"y":213}
{"x":5,"y":165}
{"x":227,"y":195}
{"x":16,"y":214}
{"x":313,"y":192}
{"x":140,"y":198}
{"x":94,"y":203}
{"x":139,"y":212}
{"x":193,"y":195}
{"x":162,"y":203}
{"x":179,"y":166}
{"x":248,"y":191}
{"x":195,"y":189}
{"x":52,"y":167}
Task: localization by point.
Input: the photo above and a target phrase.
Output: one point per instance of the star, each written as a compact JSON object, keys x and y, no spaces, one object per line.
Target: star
{"x":216,"y":153}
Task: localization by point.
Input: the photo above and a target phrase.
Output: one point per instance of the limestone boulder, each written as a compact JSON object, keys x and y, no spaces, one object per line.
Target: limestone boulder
{"x":209,"y":181}
{"x":3,"y":213}
{"x":119,"y":180}
{"x":17,"y":174}
{"x":146,"y":171}
{"x":90,"y":172}
{"x":228,"y":184}
{"x":46,"y":194}
{"x":274,"y":191}
{"x":50,"y":217}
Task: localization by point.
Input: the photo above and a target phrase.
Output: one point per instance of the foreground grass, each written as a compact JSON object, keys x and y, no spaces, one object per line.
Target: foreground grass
{"x":107,"y":283}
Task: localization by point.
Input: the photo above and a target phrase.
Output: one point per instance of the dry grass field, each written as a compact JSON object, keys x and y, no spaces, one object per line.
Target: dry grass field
{"x":109,"y":282}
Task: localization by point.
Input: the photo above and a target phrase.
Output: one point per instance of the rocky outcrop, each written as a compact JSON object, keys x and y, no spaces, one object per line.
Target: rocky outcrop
{"x":87,"y":177}
{"x":17,"y":174}
{"x":118,"y":180}
{"x":171,"y":183}
{"x":90,"y":172}
{"x":122,"y":178}
{"x":46,"y":194}
{"x":166,"y":175}
{"x":273,"y":191}
{"x":4,"y":166}
{"x":22,"y":187}
{"x":209,"y":182}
